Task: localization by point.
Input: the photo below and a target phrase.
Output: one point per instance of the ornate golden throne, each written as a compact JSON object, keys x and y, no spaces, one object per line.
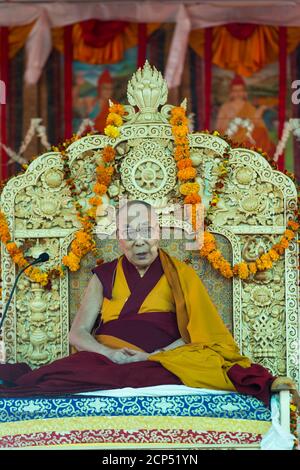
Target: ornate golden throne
{"x":250,"y":217}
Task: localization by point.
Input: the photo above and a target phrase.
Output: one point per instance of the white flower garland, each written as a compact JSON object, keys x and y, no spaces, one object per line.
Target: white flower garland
{"x":36,"y":128}
{"x":237,"y":123}
{"x":290,"y":126}
{"x":85,"y":124}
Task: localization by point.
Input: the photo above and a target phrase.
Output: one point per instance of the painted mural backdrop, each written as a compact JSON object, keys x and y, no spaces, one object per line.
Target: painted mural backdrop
{"x":247,"y":108}
{"x":94,"y":85}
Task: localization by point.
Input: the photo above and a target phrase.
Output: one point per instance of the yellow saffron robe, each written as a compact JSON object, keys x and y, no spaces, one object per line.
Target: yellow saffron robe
{"x":210,"y":350}
{"x":161,"y":297}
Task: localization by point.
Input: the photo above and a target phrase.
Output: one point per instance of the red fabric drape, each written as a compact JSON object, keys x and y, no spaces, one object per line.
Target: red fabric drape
{"x":142,"y":44}
{"x":282,"y":87}
{"x":97,"y":33}
{"x":68,"y":66}
{"x":3,"y":107}
{"x":208,"y":75}
{"x":241,"y":31}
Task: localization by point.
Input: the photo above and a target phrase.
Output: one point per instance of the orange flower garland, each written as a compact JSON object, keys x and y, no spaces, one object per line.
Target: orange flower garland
{"x":189,"y":189}
{"x":186,"y":171}
{"x":244,"y":270}
{"x":114,"y":120}
{"x":33,"y":273}
{"x":84,"y":242}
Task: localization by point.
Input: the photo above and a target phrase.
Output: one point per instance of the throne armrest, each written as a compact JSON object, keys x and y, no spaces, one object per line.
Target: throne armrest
{"x":284,"y":406}
{"x":284,"y":386}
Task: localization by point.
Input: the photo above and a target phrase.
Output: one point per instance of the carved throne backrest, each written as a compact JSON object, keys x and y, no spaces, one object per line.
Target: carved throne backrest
{"x":251,"y":215}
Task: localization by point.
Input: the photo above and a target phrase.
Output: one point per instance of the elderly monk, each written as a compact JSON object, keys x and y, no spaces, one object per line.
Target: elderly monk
{"x":157,"y":325}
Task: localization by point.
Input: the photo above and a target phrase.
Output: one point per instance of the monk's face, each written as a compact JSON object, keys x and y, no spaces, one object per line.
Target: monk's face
{"x":106,"y":91}
{"x":238,"y":92}
{"x":138,"y":233}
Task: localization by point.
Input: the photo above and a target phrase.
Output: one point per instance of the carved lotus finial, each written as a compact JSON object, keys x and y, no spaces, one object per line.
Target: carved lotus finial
{"x":147,"y":89}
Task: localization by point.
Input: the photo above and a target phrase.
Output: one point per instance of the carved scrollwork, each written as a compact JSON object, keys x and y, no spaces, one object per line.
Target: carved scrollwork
{"x":264,"y":315}
{"x":251,"y":196}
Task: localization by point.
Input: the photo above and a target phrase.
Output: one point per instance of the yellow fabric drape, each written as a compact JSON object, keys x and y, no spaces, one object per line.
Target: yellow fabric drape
{"x":161,"y":296}
{"x":244,"y":57}
{"x":109,"y":54}
{"x":211,"y":350}
{"x":17,"y":37}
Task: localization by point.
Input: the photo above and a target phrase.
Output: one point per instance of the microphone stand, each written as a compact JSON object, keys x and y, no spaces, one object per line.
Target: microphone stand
{"x":38,"y":260}
{"x":43,"y":257}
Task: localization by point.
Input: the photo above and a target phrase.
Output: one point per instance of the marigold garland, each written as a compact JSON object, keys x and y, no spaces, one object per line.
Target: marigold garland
{"x":190,"y":189}
{"x":186,"y":171}
{"x":16,"y":254}
{"x":83,"y":241}
{"x":104,"y":171}
{"x":114,"y":120}
{"x":243,"y":270}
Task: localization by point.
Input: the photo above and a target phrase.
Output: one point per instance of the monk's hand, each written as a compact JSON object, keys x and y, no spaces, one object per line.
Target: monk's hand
{"x":126,"y":355}
{"x":119,"y":356}
{"x":136,"y":356}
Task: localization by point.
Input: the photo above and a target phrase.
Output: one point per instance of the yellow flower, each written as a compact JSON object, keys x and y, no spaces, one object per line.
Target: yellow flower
{"x":180,"y":131}
{"x":72,"y":261}
{"x":78,"y":249}
{"x":243,"y":270}
{"x":189,"y":188}
{"x":82,"y":237}
{"x":114,"y":119}
{"x":92,"y":212}
{"x":112,"y":131}
{"x":226,"y":270}
{"x":178,"y":116}
{"x":273,"y":255}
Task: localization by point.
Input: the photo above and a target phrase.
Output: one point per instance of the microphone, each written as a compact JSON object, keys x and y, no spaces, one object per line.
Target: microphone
{"x":41,"y":259}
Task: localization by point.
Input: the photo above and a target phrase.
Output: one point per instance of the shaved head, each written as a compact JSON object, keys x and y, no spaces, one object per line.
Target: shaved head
{"x":138,"y":232}
{"x":135,"y":208}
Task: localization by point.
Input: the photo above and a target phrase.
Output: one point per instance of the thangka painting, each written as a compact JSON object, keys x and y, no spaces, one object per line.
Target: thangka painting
{"x":246,"y":109}
{"x":94,"y":85}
